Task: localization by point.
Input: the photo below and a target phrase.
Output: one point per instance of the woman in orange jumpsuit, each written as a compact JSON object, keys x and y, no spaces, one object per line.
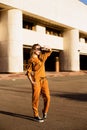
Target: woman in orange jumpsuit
{"x":37,"y":77}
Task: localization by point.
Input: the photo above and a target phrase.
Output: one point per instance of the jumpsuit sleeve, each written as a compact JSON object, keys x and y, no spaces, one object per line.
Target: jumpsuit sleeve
{"x":29,"y":68}
{"x":45,"y":55}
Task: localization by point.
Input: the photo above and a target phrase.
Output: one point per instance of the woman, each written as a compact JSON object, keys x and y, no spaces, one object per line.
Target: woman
{"x":37,"y":77}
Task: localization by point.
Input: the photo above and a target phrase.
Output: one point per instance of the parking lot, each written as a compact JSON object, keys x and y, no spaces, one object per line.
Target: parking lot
{"x":68,"y":108}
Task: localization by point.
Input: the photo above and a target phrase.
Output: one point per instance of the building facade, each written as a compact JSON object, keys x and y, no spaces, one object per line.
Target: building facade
{"x":60,"y":24}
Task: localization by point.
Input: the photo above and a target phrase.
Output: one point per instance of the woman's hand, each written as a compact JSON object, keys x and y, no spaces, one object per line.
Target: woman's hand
{"x":31,"y":80}
{"x":46,"y":48}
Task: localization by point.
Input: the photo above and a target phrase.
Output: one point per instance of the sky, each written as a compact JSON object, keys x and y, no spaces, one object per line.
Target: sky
{"x":84,"y":1}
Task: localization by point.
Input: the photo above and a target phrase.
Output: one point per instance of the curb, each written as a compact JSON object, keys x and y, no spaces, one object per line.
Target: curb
{"x":49,"y":74}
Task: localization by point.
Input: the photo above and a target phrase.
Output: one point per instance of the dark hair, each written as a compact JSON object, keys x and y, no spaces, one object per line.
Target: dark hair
{"x":34,"y":46}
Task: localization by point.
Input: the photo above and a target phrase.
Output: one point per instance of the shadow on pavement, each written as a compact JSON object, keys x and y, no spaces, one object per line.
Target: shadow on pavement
{"x":72,"y":96}
{"x":17,"y":115}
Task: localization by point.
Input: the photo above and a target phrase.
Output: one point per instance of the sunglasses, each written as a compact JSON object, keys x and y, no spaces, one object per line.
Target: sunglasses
{"x":38,"y":49}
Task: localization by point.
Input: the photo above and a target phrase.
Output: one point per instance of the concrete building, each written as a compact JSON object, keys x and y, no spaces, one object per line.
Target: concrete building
{"x":60,"y":24}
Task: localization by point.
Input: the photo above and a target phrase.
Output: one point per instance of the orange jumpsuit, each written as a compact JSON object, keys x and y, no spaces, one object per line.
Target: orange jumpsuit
{"x":36,"y":69}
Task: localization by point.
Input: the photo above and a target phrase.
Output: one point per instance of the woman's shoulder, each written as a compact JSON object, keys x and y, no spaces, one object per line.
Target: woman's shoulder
{"x":32,"y":59}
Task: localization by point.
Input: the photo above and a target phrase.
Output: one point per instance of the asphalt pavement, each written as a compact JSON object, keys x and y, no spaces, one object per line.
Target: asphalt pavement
{"x":68,"y":107}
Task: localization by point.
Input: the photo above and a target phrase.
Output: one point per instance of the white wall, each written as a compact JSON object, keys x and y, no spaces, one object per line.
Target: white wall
{"x":68,"y":12}
{"x":83,"y":48}
{"x":32,"y":37}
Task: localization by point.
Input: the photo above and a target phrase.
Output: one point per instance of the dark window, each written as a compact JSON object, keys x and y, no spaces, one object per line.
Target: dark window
{"x":53,"y":32}
{"x":28,"y":25}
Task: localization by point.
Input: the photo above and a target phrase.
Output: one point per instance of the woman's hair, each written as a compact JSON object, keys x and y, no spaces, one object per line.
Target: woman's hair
{"x":33,"y":49}
{"x":34,"y":46}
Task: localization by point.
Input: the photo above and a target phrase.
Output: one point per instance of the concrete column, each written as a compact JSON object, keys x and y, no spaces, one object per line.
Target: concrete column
{"x":11,"y":58}
{"x":40,"y":29}
{"x":69,"y":58}
{"x":57,"y":64}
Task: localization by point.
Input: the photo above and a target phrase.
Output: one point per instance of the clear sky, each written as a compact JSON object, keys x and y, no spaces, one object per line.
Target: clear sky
{"x":84,"y":1}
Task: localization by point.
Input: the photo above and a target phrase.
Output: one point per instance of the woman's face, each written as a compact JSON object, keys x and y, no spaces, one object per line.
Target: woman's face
{"x":37,"y":50}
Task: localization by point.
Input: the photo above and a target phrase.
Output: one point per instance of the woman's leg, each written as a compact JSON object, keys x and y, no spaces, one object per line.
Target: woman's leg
{"x":35,"y":98}
{"x":46,"y":94}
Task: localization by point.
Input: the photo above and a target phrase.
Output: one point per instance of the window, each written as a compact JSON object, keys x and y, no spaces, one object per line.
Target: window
{"x":53,"y":32}
{"x":28,"y":25}
{"x":83,"y":37}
